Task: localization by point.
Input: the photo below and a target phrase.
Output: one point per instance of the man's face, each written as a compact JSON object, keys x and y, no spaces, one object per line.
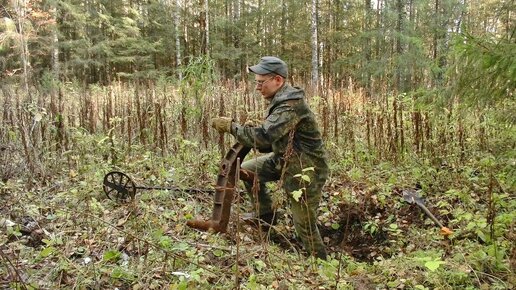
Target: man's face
{"x":268,"y":85}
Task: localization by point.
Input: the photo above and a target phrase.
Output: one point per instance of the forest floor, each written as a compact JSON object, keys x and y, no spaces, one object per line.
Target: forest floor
{"x":64,"y":232}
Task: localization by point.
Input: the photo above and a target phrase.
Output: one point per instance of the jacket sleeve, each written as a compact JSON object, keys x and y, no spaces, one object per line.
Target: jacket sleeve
{"x":278,"y":124}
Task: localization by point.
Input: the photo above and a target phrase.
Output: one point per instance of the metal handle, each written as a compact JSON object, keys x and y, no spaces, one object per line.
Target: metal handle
{"x":428,"y":213}
{"x":119,"y":186}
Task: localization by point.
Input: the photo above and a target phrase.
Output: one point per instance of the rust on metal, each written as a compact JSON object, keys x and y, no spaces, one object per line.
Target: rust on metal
{"x":224,"y":191}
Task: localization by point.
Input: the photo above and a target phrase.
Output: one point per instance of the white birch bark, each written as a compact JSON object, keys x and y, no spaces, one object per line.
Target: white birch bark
{"x":207,"y":9}
{"x":178,"y":42}
{"x":315,"y":56}
{"x":20,"y":8}
{"x":55,"y":42}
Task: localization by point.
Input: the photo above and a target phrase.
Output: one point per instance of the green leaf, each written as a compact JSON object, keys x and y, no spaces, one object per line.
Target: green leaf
{"x":434,"y":264}
{"x":260,"y":265}
{"x":306,"y":178}
{"x":251,"y":283}
{"x":111,"y":255}
{"x":308,"y":169}
{"x":217,"y":253}
{"x":117,"y":273}
{"x":47,"y":242}
{"x":188,"y":216}
{"x":165,"y":242}
{"x":181,"y":247}
{"x":47,"y":251}
{"x":15,"y":231}
{"x":393,"y":284}
{"x":296,"y":194}
{"x":120,"y":273}
{"x":335,"y":226}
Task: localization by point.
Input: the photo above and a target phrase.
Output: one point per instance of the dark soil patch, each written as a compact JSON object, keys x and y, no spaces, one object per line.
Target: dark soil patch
{"x":352,"y":237}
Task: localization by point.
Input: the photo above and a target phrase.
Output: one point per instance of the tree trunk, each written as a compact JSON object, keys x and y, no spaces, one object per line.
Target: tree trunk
{"x":20,"y":8}
{"x":435,"y":38}
{"x":178,"y":42}
{"x":315,"y":44}
{"x":207,"y":11}
{"x":203,"y":4}
{"x":399,"y":46}
{"x":259,"y":27}
{"x":55,"y":45}
{"x":283,"y":25}
{"x":367,"y":49}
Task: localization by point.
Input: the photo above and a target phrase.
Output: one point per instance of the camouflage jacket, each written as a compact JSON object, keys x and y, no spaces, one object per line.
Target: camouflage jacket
{"x":287,"y":111}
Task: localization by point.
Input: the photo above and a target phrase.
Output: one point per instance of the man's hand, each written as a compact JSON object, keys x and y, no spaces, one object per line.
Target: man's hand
{"x":222,"y":124}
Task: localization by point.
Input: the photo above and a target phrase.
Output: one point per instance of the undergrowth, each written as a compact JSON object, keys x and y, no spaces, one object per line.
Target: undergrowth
{"x":65,"y":233}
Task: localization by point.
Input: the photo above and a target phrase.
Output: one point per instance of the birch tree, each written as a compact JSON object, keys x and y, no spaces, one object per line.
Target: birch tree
{"x":207,"y":27}
{"x":315,"y":55}
{"x":55,"y":41}
{"x":178,"y":42}
{"x":20,"y":6}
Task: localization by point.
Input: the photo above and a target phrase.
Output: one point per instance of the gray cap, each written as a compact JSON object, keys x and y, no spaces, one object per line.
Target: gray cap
{"x":270,"y":64}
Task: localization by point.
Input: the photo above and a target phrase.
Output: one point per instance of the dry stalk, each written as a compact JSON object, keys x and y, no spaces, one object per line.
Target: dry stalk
{"x":14,"y":269}
{"x":237,"y":238}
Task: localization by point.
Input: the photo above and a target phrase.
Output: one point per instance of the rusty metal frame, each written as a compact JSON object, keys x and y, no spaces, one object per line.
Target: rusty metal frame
{"x":224,"y":191}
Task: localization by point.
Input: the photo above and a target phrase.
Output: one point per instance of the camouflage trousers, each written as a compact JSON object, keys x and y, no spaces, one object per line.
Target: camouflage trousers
{"x":304,"y":211}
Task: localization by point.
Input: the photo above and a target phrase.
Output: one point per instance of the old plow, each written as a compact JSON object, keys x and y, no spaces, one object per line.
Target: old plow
{"x":119,"y":186}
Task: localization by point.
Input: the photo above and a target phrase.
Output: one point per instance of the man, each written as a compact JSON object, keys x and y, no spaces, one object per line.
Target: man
{"x":297,"y":156}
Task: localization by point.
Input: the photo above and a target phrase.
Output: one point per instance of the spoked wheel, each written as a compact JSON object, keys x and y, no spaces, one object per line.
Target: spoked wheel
{"x":118,"y":186}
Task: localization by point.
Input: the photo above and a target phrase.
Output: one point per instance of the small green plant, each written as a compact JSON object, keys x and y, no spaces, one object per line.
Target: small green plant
{"x":431,"y":261}
{"x":123,"y":274}
{"x":297,"y":194}
{"x":303,"y":176}
{"x":111,"y":256}
{"x":329,"y":269}
{"x":372,"y":226}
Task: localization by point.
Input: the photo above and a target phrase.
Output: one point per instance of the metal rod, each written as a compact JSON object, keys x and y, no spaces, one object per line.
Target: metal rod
{"x":188,"y":190}
{"x":428,"y":213}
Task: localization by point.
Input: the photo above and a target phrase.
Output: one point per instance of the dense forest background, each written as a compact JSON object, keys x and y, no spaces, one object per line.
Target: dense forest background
{"x":401,"y":46}
{"x":403,"y":58}
{"x":409,"y":94}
